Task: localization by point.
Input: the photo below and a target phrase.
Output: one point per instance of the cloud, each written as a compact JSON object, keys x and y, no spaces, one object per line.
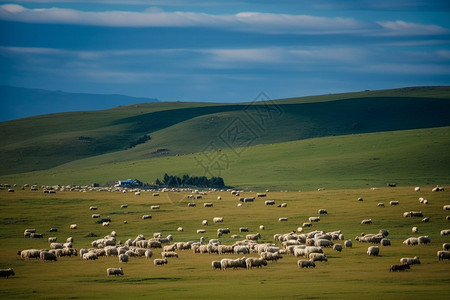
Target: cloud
{"x":243,"y":21}
{"x":403,"y":28}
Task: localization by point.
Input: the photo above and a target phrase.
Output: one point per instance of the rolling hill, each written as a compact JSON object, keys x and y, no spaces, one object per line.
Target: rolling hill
{"x":167,"y":137}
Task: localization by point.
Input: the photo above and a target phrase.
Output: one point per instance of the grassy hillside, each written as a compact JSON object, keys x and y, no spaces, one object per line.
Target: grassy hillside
{"x":347,"y":274}
{"x":48,"y":141}
{"x":362,"y":160}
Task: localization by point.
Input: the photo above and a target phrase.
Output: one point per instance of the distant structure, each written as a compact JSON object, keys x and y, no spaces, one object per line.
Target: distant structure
{"x":129,"y":183}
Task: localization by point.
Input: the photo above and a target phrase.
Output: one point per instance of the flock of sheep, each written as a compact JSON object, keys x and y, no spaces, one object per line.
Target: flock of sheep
{"x":309,"y":246}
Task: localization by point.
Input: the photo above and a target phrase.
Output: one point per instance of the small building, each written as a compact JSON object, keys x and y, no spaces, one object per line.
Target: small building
{"x":129,"y":183}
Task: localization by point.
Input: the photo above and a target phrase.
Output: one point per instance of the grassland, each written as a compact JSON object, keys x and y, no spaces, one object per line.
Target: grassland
{"x":351,"y":274}
{"x":410,"y":157}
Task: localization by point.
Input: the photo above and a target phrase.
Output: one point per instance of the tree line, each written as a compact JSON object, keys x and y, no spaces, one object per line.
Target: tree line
{"x":186,"y":181}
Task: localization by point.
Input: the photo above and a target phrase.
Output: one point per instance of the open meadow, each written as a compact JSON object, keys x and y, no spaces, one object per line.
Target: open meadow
{"x":351,"y":273}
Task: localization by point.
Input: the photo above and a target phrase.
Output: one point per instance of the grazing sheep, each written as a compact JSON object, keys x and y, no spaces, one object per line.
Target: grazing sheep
{"x":215,"y":264}
{"x":380,"y":204}
{"x":323,"y":243}
{"x":417,"y":189}
{"x":337,"y":247}
{"x":243,"y":229}
{"x":7,"y":272}
{"x":241,"y":250}
{"x":93,"y":208}
{"x":253,"y":237}
{"x":261,"y":195}
{"x":205,"y":222}
{"x":261,"y":227}
{"x":446,"y":207}
{"x":222,"y":249}
{"x":233,"y":263}
{"x":360,"y":199}
{"x":322,"y":212}
{"x":385,"y":242}
{"x":438,"y":189}
{"x":401,"y":268}
{"x":393,"y":203}
{"x":199,"y":231}
{"x":160,"y":262}
{"x":426,"y":219}
{"x":410,"y":260}
{"x":52,"y":239}
{"x":124,"y":206}
{"x":415,"y":230}
{"x":306,"y":264}
{"x":123,"y":258}
{"x":313,"y":219}
{"x":169,"y":254}
{"x":218,"y":219}
{"x":56,"y":246}
{"x":366,"y":221}
{"x":445,"y":232}
{"x":410,"y":214}
{"x":114,"y":271}
{"x":423,"y":240}
{"x":105,"y":224}
{"x":207,"y":204}
{"x":446,"y":246}
{"x":95,"y":216}
{"x":412,"y":241}
{"x":373,"y":250}
{"x":271,"y":256}
{"x":306,"y":225}
{"x":180,"y":229}
{"x":255,"y":262}
{"x":137,"y":193}
{"x":318,"y":257}
{"x":269,"y":202}
{"x":154,"y":207}
{"x":90,"y":256}
{"x":443,"y":255}
{"x":192,"y":205}
{"x":73,"y":226}
{"x":53,"y":230}
{"x":145,"y":217}
{"x":282,"y":219}
{"x":47,"y":256}
{"x":447,"y":218}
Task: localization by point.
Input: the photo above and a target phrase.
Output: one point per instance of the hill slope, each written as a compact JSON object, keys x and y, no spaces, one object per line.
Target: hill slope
{"x":47,"y":141}
{"x":20,"y":102}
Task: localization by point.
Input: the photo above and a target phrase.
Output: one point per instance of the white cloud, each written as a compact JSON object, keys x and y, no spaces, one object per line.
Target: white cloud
{"x":400,"y":27}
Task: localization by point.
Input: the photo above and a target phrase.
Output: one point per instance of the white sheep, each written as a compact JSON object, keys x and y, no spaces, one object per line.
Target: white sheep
{"x":446,"y":246}
{"x":160,"y":262}
{"x":73,"y":226}
{"x":366,"y":221}
{"x":169,"y":254}
{"x":255,"y":262}
{"x":415,"y":229}
{"x":123,"y":258}
{"x":145,"y":217}
{"x":306,"y":264}
{"x":443,"y":255}
{"x":446,"y":207}
{"x":322,"y":211}
{"x":208,"y":204}
{"x":373,"y":250}
{"x":317,"y":257}
{"x":445,"y":232}
{"x":393,"y":203}
{"x":337,"y":247}
{"x":218,"y":219}
{"x":114,"y":271}
{"x":313,"y":219}
{"x":155,"y":207}
{"x":385,"y":242}
{"x":215,"y":264}
{"x":410,"y":261}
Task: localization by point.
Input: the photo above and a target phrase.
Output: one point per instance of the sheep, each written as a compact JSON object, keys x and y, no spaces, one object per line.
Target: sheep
{"x":447,"y":218}
{"x":306,"y":225}
{"x":233,"y":263}
{"x":137,"y":193}
{"x":410,"y":261}
{"x":192,"y":204}
{"x":114,"y":271}
{"x":205,"y":222}
{"x":411,"y":241}
{"x":56,"y":246}
{"x":401,"y":268}
{"x":313,"y":219}
{"x":282,"y":219}
{"x":272,"y":256}
{"x":253,"y":237}
{"x":160,"y":262}
{"x":105,"y":224}
{"x":241,"y":250}
{"x":218,"y":220}
{"x":269,"y":202}
{"x":208,"y":204}
{"x":385,"y":242}
{"x":443,"y":255}
{"x":243,"y":229}
{"x":423,"y":240}
{"x":305,"y":264}
{"x":124,"y":206}
{"x":215,"y":264}
{"x":409,"y":214}
{"x":446,"y":207}
{"x":317,"y":257}
{"x":373,"y":250}
{"x":417,"y":189}
{"x":426,"y":219}
{"x":415,"y":230}
{"x":255,"y":262}
{"x":53,"y":229}
{"x":47,"y":256}
{"x":438,"y":189}
{"x":261,"y":195}
{"x":169,"y":254}
{"x":7,"y":272}
{"x":323,"y":243}
{"x":360,"y":199}
{"x":95,"y":216}
{"x":322,"y":212}
{"x":393,"y":203}
{"x":366,"y":221}
{"x":219,"y":198}
{"x":445,"y":232}
{"x":123,"y":258}
{"x":111,"y":251}
{"x":90,"y":256}
{"x":30,"y":253}
{"x":73,"y":226}
{"x":93,"y":208}
{"x":247,"y":199}
{"x":145,"y":217}
{"x":312,"y":249}
{"x":380,"y":204}
{"x":261,"y":227}
{"x":446,"y":246}
{"x":155,"y":207}
{"x":52,"y":239}
{"x":337,"y":247}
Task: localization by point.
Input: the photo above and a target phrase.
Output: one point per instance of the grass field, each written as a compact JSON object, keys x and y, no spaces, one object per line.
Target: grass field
{"x":348,"y":274}
{"x":410,"y":157}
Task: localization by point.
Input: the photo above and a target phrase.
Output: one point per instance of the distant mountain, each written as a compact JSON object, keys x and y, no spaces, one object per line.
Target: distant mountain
{"x":20,"y":102}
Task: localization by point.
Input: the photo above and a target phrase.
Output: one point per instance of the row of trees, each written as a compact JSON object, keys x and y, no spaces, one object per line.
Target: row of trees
{"x":186,"y":181}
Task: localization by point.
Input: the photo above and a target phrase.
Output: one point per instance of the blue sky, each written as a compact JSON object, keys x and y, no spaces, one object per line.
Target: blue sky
{"x":223,"y":51}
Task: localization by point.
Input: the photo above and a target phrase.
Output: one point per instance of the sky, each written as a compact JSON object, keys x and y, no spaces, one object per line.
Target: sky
{"x":223,"y":51}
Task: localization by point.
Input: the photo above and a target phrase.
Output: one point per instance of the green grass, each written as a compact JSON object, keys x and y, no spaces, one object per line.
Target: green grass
{"x":348,"y":274}
{"x":44,"y":142}
{"x":410,"y":157}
